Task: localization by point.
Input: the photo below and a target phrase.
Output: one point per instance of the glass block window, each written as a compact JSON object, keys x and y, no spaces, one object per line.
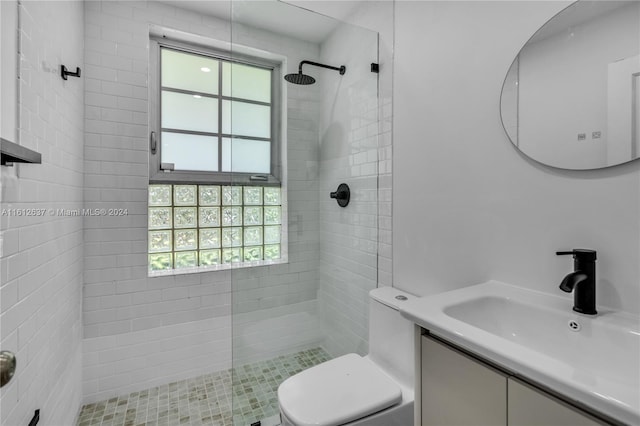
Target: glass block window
{"x":215,"y":114}
{"x":213,"y":226}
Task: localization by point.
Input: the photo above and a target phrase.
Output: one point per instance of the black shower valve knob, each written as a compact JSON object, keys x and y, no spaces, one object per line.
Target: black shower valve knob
{"x":342,"y":195}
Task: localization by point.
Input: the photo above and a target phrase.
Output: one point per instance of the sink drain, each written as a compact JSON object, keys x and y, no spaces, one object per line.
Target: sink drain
{"x":574,"y":325}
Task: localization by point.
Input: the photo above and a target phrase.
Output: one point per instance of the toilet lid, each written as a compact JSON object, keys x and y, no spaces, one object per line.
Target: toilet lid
{"x":336,"y":392}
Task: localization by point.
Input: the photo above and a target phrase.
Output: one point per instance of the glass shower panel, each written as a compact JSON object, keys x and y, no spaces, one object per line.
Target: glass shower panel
{"x":306,"y":299}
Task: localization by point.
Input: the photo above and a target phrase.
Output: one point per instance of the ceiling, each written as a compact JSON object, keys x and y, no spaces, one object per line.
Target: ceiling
{"x":293,"y":20}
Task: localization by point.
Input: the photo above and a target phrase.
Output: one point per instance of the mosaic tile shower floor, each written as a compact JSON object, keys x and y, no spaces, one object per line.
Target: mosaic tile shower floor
{"x":213,"y":399}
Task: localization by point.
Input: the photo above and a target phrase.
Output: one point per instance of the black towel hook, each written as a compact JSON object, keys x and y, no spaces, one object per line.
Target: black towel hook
{"x":64,"y":72}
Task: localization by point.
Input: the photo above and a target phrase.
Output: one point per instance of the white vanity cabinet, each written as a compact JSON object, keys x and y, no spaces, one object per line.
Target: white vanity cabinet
{"x":458,"y":389}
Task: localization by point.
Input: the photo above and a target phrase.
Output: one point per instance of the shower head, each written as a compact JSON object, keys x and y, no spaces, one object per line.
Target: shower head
{"x":304,"y":79}
{"x":299,"y":79}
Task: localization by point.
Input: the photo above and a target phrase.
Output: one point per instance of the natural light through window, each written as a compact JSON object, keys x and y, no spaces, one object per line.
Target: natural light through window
{"x":215,"y":126}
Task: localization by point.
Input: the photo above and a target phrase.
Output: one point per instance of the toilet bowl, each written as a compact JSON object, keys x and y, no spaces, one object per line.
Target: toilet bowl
{"x":376,"y":389}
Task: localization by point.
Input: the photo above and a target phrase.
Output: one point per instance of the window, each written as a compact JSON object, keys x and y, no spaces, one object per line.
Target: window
{"x":212,"y":226}
{"x":215,"y":192}
{"x":215,"y":117}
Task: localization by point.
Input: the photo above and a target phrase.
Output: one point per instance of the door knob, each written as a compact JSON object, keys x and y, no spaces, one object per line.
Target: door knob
{"x":7,"y":367}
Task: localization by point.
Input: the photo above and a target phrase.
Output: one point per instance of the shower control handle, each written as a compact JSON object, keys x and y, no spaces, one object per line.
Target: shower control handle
{"x":342,"y":195}
{"x":7,"y":367}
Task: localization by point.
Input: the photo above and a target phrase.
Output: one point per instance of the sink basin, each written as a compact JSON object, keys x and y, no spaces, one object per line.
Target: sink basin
{"x":593,"y":360}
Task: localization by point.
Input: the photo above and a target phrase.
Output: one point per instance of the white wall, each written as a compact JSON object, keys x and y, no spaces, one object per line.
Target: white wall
{"x":467,"y":207}
{"x":355,"y":147}
{"x":348,"y":154}
{"x":41,"y":264}
{"x":161,"y":322}
{"x":563,"y":87}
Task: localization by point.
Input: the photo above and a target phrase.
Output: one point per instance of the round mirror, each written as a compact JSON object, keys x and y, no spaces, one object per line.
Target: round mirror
{"x":571,"y":98}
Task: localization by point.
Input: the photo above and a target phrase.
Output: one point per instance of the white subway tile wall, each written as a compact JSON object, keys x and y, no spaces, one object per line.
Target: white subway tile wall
{"x":355,"y":254}
{"x":41,"y":257}
{"x":119,"y":299}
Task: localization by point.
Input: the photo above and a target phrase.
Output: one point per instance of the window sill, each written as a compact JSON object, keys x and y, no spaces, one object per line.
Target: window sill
{"x":215,"y":268}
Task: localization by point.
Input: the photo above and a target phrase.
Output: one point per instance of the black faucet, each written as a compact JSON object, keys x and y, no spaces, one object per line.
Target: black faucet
{"x":582,"y":281}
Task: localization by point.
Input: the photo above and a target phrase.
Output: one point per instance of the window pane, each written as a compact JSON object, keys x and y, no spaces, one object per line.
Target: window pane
{"x":185,"y":239}
{"x":231,"y":255}
{"x":247,"y":82}
{"x":187,"y":71}
{"x":245,"y":119}
{"x":209,"y":238}
{"x":159,"y":195}
{"x":272,"y":252}
{"x":160,"y":217}
{"x":187,"y":259}
{"x":253,"y":195}
{"x":272,"y":196}
{"x":184,"y":217}
{"x":246,"y":156}
{"x":184,"y":195}
{"x":252,"y":253}
{"x":159,"y":241}
{"x":188,"y":112}
{"x":190,"y":152}
{"x":209,"y":257}
{"x":209,"y":195}
{"x":160,"y":262}
{"x":209,"y":216}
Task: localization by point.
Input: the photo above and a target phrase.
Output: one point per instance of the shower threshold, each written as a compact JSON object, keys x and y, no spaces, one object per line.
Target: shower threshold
{"x":239,"y":396}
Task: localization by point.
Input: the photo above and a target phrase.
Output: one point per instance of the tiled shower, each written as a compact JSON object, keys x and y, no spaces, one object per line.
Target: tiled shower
{"x":113,"y":333}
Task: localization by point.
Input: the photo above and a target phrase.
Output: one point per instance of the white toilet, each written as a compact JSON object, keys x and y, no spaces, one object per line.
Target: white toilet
{"x":353,"y":390}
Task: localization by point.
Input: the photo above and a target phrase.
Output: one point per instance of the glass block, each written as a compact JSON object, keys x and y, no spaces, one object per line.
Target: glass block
{"x":184,"y":195}
{"x":185,"y":239}
{"x":252,"y":195}
{"x":160,"y":217}
{"x":272,"y":215}
{"x":209,"y":257}
{"x":189,"y":152}
{"x":184,"y":217}
{"x":271,"y":234}
{"x":159,"y":195}
{"x":232,"y":216}
{"x":160,"y":262}
{"x":253,"y":216}
{"x":253,"y":235}
{"x":186,"y":259}
{"x":209,"y":238}
{"x":187,"y":71}
{"x":231,"y":195}
{"x":231,"y":237}
{"x":272,"y":252}
{"x":272,"y":196}
{"x":231,"y":255}
{"x":209,"y":195}
{"x":246,"y":156}
{"x":243,"y":119}
{"x":252,"y":253}
{"x":188,"y":112}
{"x":159,"y":241}
{"x":209,"y":216}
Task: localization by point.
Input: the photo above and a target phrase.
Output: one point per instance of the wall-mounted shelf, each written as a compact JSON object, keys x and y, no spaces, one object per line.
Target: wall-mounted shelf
{"x":14,"y":153}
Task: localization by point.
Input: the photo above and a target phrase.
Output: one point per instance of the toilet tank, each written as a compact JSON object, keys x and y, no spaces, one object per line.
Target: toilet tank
{"x":391,"y":336}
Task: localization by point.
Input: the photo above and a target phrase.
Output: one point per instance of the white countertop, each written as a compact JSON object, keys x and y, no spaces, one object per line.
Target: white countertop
{"x":528,"y":333}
